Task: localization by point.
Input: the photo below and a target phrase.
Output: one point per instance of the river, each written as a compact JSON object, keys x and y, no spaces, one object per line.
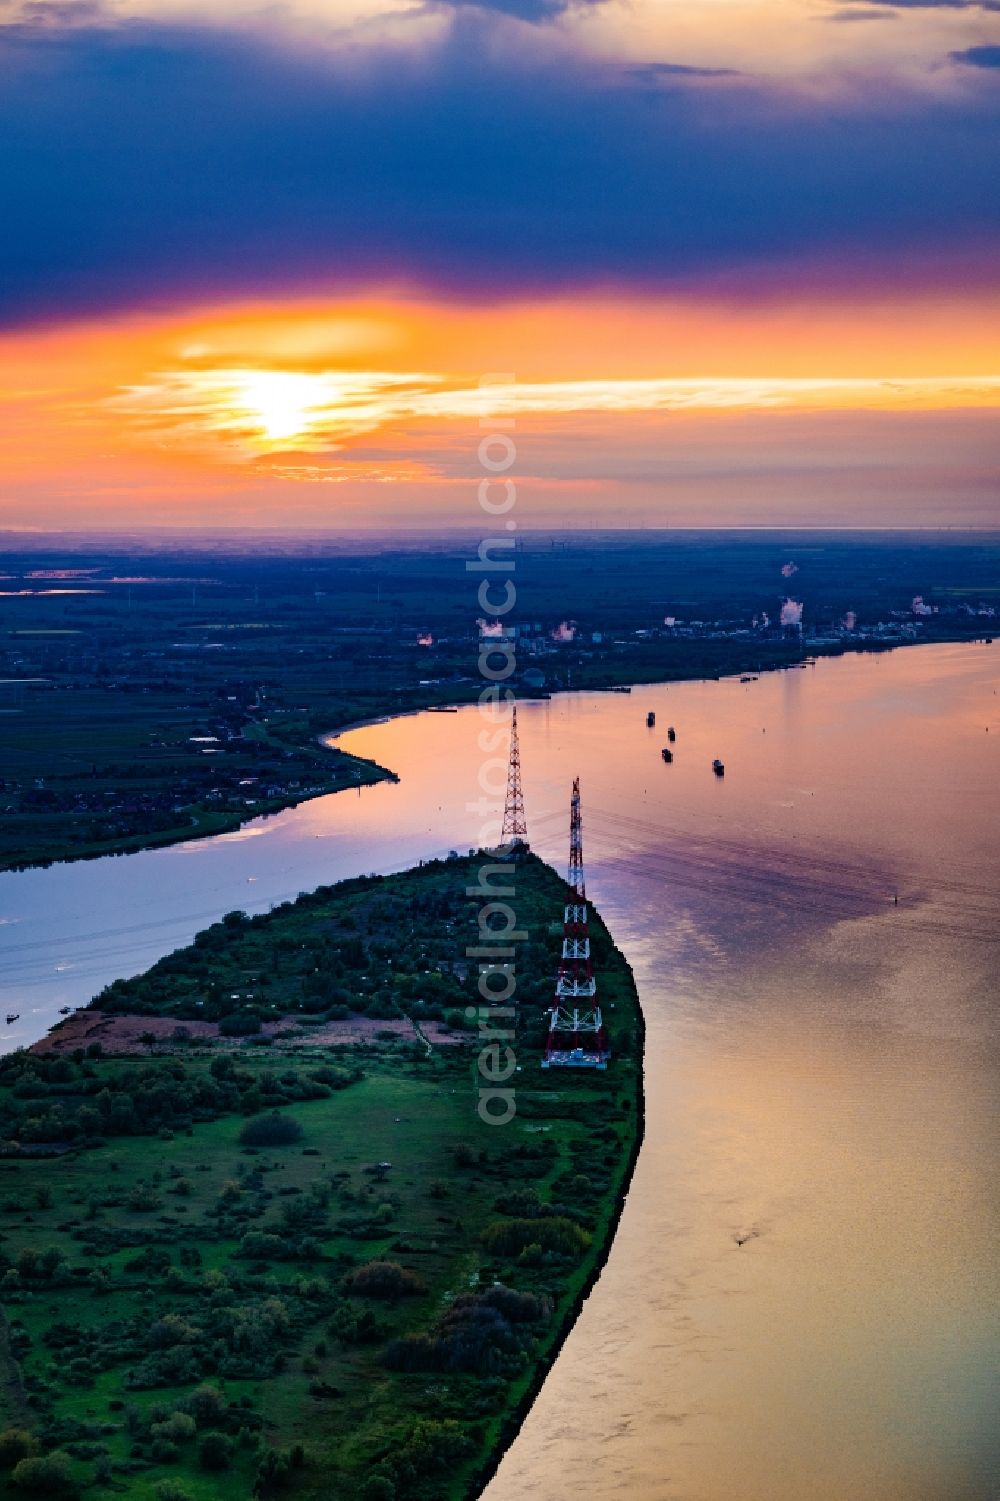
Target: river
{"x":800,"y":1303}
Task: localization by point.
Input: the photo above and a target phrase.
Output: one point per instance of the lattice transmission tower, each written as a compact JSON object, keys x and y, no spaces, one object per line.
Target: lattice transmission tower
{"x":576,"y":1037}
{"x":514,"y":834}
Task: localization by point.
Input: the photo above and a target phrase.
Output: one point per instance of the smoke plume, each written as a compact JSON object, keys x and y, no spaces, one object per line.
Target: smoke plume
{"x":919,"y":607}
{"x":564,"y":631}
{"x":791,"y":612}
{"x":787,"y":569}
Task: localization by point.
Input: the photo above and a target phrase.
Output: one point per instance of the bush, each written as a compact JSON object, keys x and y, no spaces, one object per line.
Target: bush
{"x":378,"y":1488}
{"x":15,"y":1444}
{"x":50,"y":1476}
{"x":516,"y":1307}
{"x":431,"y":1446}
{"x":257,"y":1245}
{"x":336,"y":1078}
{"x":169,"y":1490}
{"x":522,"y":1203}
{"x":240,"y":1024}
{"x":272,"y":1471}
{"x":552,"y":1233}
{"x":482,"y":1333}
{"x":206,"y":1405}
{"x":176,"y":1429}
{"x":384,"y":1279}
{"x":142,"y":1198}
{"x":215,"y":1451}
{"x":272,"y":1130}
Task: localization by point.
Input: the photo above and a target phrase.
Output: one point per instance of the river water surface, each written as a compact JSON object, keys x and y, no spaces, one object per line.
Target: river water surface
{"x":801,"y":1301}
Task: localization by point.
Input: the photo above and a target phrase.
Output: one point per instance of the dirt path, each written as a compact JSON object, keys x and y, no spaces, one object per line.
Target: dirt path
{"x":125,"y":1034}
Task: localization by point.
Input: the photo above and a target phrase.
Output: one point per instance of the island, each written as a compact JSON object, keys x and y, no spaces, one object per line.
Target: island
{"x":258,"y":1235}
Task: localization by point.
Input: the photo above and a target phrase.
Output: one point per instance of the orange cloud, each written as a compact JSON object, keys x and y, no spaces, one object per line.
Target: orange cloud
{"x":221,"y":415}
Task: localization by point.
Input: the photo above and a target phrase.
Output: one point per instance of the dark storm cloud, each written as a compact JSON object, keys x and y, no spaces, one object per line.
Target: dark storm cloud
{"x":148,"y":164}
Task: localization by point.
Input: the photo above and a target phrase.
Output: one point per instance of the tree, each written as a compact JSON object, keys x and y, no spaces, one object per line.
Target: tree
{"x":206,"y":1405}
{"x":176,"y":1429}
{"x":51,"y":1261}
{"x":553,"y":1233}
{"x":142,"y":1198}
{"x":240,"y":1024}
{"x":15,"y":1444}
{"x":384,"y":1279}
{"x":169,"y":1490}
{"x":216,"y":1451}
{"x":272,"y":1471}
{"x":28,"y":1262}
{"x":46,"y":1476}
{"x":88,"y":1121}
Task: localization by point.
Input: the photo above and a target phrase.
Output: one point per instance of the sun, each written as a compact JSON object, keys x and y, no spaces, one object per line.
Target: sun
{"x":282,"y":403}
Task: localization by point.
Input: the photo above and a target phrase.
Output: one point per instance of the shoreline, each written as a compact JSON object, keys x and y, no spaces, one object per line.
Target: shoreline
{"x":229,"y":823}
{"x":512,"y":1427}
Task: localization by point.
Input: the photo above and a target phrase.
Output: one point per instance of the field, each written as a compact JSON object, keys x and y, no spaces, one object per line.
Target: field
{"x":362,"y":1310}
{"x":147,"y":697}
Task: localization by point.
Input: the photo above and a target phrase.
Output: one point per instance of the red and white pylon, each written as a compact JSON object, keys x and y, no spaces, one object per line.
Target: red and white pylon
{"x":576,"y":1037}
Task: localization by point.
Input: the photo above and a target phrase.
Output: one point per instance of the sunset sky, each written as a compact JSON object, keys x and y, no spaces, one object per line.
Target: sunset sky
{"x":736,"y":261}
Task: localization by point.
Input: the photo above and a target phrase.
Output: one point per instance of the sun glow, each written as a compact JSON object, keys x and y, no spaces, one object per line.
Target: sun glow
{"x":282,"y":401}
{"x":254,"y":413}
{"x":244,"y":410}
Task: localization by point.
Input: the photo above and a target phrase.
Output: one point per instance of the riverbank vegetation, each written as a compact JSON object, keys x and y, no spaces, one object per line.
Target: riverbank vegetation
{"x":272,"y":1266}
